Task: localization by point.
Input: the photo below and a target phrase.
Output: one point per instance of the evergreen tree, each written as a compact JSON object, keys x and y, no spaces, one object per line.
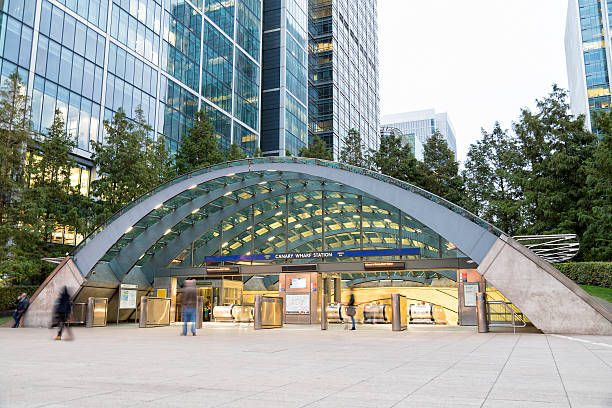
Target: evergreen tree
{"x":396,"y":160}
{"x":353,"y":151}
{"x":491,"y":190}
{"x":258,"y":152}
{"x":15,"y":136}
{"x":596,"y":243}
{"x":440,"y":171}
{"x":199,"y":147}
{"x":157,"y":158}
{"x":317,"y":149}
{"x":287,"y":153}
{"x":555,"y":149}
{"x":234,"y":153}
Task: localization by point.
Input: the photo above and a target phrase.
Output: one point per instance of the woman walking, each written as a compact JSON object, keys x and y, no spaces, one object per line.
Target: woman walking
{"x":351,"y":311}
{"x":63,"y":310}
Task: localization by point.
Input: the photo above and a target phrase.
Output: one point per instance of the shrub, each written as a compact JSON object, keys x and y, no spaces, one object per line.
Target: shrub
{"x":588,"y":273}
{"x":9,"y":295}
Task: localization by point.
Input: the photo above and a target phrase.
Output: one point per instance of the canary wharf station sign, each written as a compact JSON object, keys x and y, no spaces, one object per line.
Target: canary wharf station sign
{"x":315,"y":255}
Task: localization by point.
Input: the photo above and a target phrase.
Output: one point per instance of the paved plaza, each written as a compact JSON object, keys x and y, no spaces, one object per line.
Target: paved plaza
{"x":296,"y":366}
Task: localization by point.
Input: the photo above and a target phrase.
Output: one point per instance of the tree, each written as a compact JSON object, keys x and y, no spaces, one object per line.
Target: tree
{"x":352,"y":152}
{"x":396,"y":159}
{"x":596,"y":243}
{"x":15,"y":136}
{"x":491,"y":190}
{"x":555,"y":149}
{"x":440,"y":171}
{"x":234,"y":153}
{"x":157,"y":158}
{"x":199,"y":147}
{"x":258,"y":152}
{"x":317,"y":149}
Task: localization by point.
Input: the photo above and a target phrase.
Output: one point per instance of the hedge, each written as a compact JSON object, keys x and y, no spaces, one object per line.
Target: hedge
{"x":588,"y":273}
{"x":9,"y":295}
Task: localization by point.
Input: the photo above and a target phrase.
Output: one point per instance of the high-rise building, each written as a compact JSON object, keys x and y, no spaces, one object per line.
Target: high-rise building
{"x":421,"y":125}
{"x":284,"y":108}
{"x":588,"y":55}
{"x":88,"y":58}
{"x":343,"y":72}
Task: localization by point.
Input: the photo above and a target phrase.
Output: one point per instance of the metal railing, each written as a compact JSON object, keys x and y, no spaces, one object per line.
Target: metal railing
{"x":502,"y":314}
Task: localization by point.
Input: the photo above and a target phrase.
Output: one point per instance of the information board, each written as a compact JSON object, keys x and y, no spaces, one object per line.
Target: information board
{"x":469,"y":294}
{"x":297,"y":283}
{"x":127,"y":296}
{"x":297,"y":303}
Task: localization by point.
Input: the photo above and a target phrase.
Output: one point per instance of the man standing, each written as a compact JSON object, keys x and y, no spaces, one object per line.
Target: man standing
{"x":22,"y":305}
{"x":189,"y":305}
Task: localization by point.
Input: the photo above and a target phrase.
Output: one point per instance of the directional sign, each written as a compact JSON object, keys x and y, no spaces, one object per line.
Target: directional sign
{"x":314,"y":255}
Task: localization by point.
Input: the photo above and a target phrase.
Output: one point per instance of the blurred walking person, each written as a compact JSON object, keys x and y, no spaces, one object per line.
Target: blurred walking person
{"x":351,"y":311}
{"x":20,"y":308}
{"x":62,"y":312}
{"x":189,"y":305}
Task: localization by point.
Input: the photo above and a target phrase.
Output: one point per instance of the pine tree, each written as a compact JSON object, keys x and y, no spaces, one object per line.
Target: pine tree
{"x":258,"y":152}
{"x":440,"y":171}
{"x":395,"y":159}
{"x":353,"y":151}
{"x":157,"y":158}
{"x":317,"y":149}
{"x":234,"y":153}
{"x":199,"y":147}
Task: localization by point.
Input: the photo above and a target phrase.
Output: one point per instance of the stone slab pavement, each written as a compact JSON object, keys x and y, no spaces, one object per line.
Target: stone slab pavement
{"x":302,"y":366}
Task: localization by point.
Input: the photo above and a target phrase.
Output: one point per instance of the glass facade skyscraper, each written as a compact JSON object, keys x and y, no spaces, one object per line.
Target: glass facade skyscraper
{"x":420,"y":126}
{"x":343,"y":71}
{"x":88,"y":58}
{"x":588,"y":55}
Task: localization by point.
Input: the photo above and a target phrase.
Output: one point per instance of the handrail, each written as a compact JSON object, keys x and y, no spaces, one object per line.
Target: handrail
{"x":503,"y":323}
{"x":298,"y":160}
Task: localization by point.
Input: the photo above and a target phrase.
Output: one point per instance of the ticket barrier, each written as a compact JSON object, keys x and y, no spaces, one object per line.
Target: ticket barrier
{"x":399,"y":308}
{"x":268,"y":312}
{"x":154,"y":311}
{"x":96,"y":312}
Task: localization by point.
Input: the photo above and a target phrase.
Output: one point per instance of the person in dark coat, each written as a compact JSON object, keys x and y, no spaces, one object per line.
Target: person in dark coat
{"x":351,"y":311}
{"x":22,"y":305}
{"x":189,"y":305}
{"x":63,"y":310}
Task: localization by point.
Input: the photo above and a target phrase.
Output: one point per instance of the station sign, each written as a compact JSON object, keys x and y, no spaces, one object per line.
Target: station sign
{"x":314,"y":255}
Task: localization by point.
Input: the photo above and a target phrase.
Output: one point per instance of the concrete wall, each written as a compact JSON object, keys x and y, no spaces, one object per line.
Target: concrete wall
{"x":553,"y":302}
{"x":42,"y":302}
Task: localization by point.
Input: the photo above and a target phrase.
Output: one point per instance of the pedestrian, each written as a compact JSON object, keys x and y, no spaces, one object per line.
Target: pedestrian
{"x":189,"y":305}
{"x":62,"y":312}
{"x":22,"y":305}
{"x":351,"y":311}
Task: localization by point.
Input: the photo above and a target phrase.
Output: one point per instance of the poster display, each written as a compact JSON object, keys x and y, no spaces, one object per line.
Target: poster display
{"x":297,"y":283}
{"x":297,"y":303}
{"x":469,"y":294}
{"x":127,"y":296}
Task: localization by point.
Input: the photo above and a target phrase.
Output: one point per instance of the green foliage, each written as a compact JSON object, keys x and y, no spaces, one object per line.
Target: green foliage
{"x":317,"y":149}
{"x":9,"y":295}
{"x":597,"y":239}
{"x":396,"y":160}
{"x":588,"y":273}
{"x":440,"y":171}
{"x":199,"y":147}
{"x":235,"y":153}
{"x":353,"y":151}
{"x":491,"y":190}
{"x":258,"y":152}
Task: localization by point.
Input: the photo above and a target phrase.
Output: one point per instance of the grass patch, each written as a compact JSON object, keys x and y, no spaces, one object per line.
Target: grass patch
{"x":604,"y":293}
{"x":5,"y":319}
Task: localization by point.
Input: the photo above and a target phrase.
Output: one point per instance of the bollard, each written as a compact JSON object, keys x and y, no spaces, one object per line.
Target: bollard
{"x":257,"y":312}
{"x":199,"y":312}
{"x":396,"y":318}
{"x":143,"y":312}
{"x":90,"y":312}
{"x":323,"y":312}
{"x":481,"y":310}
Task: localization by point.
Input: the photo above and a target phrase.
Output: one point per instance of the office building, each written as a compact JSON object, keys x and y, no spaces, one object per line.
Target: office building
{"x":343,"y":72}
{"x":588,"y":56}
{"x":421,"y":125}
{"x":407,"y":139}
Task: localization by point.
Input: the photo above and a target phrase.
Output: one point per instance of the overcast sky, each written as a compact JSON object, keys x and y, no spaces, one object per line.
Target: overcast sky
{"x":478,"y":60}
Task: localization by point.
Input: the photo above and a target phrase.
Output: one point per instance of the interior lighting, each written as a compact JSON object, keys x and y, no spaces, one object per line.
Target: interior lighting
{"x":224,"y":245}
{"x":141,"y":256}
{"x":387,"y":220}
{"x":169,"y":230}
{"x":192,"y":187}
{"x":158,"y":206}
{"x":278,"y":213}
{"x":231,"y":174}
{"x":355,"y":216}
{"x":127,"y":231}
{"x":261,"y":183}
{"x":308,"y":205}
{"x":326,"y":218}
{"x":258,"y":277}
{"x":195,"y":211}
{"x":373,"y":206}
{"x":271,"y":239}
{"x":341,"y":203}
{"x":298,"y":225}
{"x":271,"y":170}
{"x":248,"y":253}
{"x":249,"y":227}
{"x":385,"y":280}
{"x":228,"y":193}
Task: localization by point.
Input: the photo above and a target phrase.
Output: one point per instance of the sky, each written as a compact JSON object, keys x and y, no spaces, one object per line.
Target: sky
{"x":479,"y":60}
